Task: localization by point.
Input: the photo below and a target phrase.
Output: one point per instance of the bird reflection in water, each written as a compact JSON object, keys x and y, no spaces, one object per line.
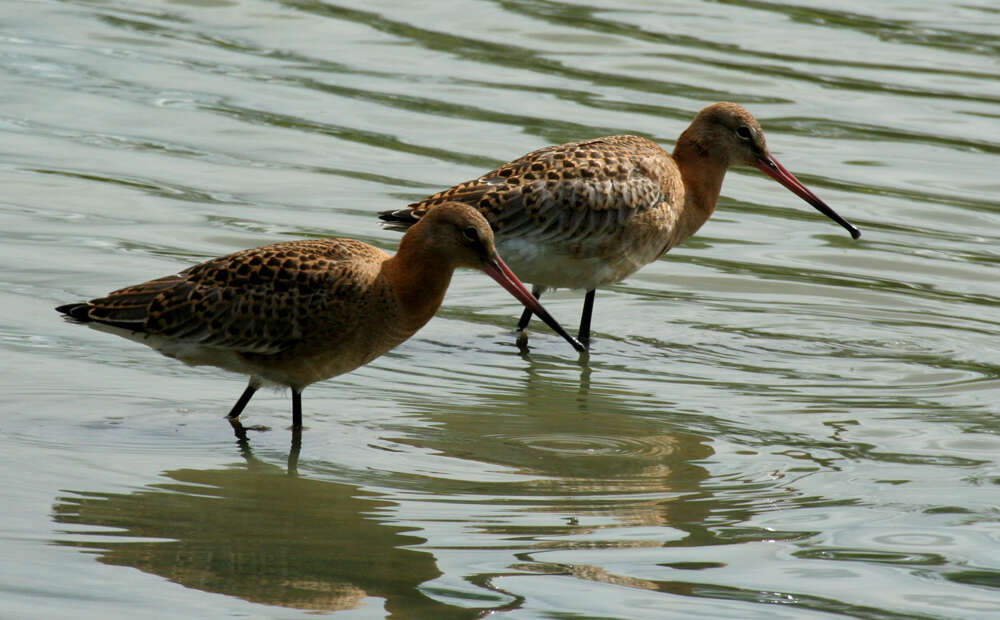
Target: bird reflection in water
{"x":261,"y":534}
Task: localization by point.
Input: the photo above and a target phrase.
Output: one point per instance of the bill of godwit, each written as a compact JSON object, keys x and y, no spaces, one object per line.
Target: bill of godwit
{"x":295,"y":313}
{"x":587,"y":214}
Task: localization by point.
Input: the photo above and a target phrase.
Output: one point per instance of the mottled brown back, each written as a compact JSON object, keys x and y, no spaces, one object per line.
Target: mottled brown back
{"x":561,"y":192}
{"x":263,"y":300}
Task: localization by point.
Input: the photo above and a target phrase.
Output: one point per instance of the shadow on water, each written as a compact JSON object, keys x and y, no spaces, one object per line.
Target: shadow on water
{"x":262,"y":534}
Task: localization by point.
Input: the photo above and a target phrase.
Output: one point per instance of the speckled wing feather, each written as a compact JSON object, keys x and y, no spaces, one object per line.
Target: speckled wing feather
{"x":263,"y":300}
{"x":560,"y":192}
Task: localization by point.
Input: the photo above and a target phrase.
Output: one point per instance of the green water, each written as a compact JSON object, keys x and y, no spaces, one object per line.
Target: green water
{"x":775,"y":421}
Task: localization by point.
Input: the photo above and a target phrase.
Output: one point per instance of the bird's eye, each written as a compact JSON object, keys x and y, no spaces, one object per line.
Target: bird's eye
{"x":744,"y":132}
{"x":471,"y":233}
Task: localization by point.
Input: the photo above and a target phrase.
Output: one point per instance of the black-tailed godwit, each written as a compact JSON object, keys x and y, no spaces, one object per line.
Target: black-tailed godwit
{"x":586,"y":214}
{"x":295,"y":313}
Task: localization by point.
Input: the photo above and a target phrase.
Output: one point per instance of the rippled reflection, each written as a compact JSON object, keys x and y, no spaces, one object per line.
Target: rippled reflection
{"x":257,"y":533}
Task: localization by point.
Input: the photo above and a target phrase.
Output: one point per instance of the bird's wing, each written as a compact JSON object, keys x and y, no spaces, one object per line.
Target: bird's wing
{"x":562,"y":191}
{"x":264,"y":300}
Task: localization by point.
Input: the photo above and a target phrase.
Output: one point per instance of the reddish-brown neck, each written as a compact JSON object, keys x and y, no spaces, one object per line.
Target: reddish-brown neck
{"x":419,"y":277}
{"x":702,"y":170}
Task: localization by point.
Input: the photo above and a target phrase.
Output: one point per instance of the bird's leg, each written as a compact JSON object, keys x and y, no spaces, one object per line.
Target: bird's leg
{"x":296,"y":409}
{"x":293,"y":453}
{"x":248,"y":393}
{"x":588,"y":310}
{"x":525,"y":319}
{"x":241,"y":433}
{"x":522,"y":324}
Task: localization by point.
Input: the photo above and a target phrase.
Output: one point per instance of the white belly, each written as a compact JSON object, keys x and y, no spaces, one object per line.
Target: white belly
{"x":561,"y":267}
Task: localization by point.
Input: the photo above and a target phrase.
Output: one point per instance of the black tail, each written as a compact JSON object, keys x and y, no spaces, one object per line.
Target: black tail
{"x":399,"y":219}
{"x":87,"y":312}
{"x":79,"y":311}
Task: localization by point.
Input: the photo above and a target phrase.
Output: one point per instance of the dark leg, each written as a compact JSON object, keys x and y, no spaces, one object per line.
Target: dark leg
{"x":248,"y":393}
{"x":522,"y":324}
{"x":525,"y":319}
{"x":296,"y":409}
{"x":293,"y":453}
{"x":240,"y":431}
{"x":588,"y":310}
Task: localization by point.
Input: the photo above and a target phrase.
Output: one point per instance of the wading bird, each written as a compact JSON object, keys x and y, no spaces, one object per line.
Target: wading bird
{"x":294,"y":313}
{"x":586,"y":214}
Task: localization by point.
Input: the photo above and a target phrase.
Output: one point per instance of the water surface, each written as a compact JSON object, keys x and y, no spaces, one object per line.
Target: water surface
{"x":775,"y":421}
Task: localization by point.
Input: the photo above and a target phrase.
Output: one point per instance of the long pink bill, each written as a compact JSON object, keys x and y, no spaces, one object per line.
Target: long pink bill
{"x":770,"y":166}
{"x":499,"y":271}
